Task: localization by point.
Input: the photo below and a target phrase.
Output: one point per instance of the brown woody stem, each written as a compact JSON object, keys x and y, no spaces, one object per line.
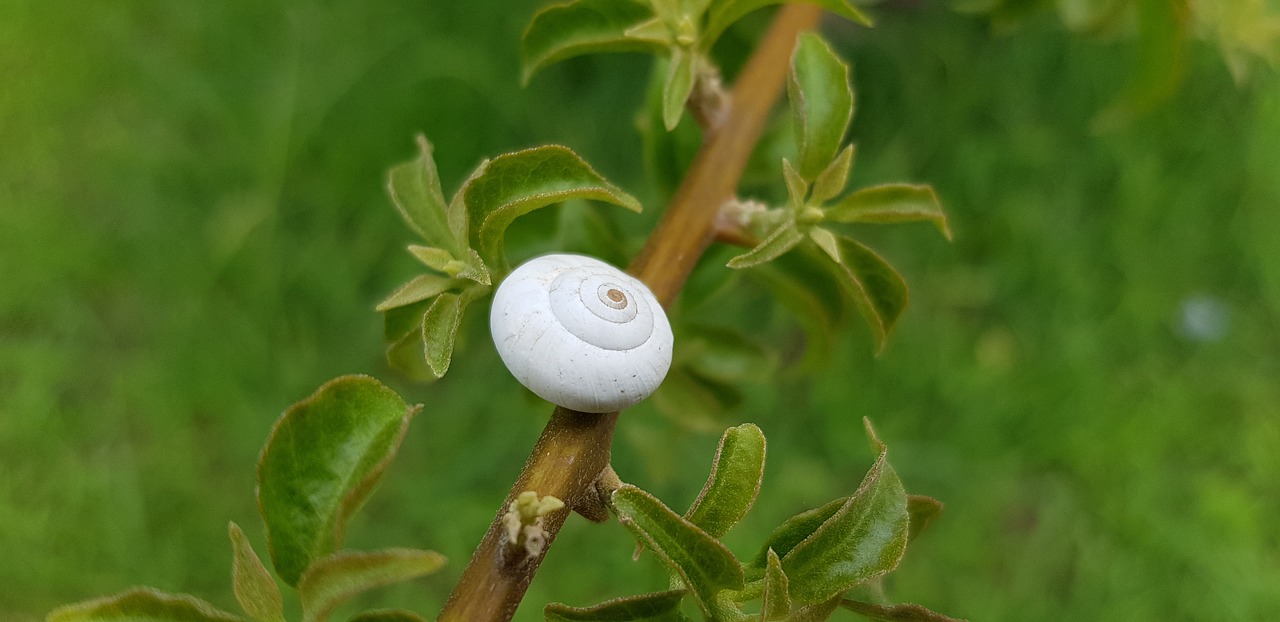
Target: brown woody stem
{"x":574,"y":447}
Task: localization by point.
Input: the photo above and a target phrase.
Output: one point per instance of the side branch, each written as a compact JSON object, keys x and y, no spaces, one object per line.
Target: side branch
{"x":574,"y":448}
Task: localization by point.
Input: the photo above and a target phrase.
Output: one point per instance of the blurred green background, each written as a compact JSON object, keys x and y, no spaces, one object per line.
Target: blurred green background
{"x":193,"y":233}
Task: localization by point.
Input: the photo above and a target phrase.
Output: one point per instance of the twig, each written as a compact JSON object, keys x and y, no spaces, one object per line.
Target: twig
{"x":574,"y":447}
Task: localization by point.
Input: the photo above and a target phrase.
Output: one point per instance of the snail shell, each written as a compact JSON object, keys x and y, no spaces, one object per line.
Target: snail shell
{"x":581,"y":333}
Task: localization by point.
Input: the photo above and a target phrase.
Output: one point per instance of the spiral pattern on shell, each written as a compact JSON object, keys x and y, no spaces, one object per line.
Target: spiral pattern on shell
{"x":581,"y":333}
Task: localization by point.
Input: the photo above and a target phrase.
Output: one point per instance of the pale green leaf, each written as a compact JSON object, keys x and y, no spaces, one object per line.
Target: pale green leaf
{"x":517,"y":183}
{"x":324,"y":457}
{"x":332,"y":580}
{"x":826,"y":241}
{"x":255,"y":589}
{"x":821,"y":103}
{"x":891,"y":203}
{"x":388,"y":615}
{"x":831,"y":181}
{"x":142,"y":604}
{"x":783,"y":239}
{"x":418,"y":288}
{"x":776,"y":602}
{"x":922,"y":511}
{"x":415,"y":190}
{"x":723,"y":13}
{"x":731,"y":489}
{"x":705,"y":565}
{"x":895,"y":613}
{"x":863,"y":539}
{"x":797,"y":187}
{"x":656,"y":607}
{"x":572,"y":29}
{"x":440,"y":330}
{"x":679,"y":84}
{"x":874,"y":286}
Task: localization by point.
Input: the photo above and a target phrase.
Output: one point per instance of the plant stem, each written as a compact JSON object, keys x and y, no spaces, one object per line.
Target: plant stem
{"x":574,"y":447}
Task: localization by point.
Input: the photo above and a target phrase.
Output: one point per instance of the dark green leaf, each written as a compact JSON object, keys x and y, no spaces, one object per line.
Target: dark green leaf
{"x":875,"y":287}
{"x":704,"y":564}
{"x":817,"y":612}
{"x":517,"y":183}
{"x":808,"y":289}
{"x":895,"y":613}
{"x":418,"y":288}
{"x":726,"y":12}
{"x":724,"y":354}
{"x":415,"y":190}
{"x":864,"y":539}
{"x":405,"y":355}
{"x":667,"y":154}
{"x":794,"y":530}
{"x":734,"y":482}
{"x":1159,"y":64}
{"x":656,"y":607}
{"x":324,"y":457}
{"x":440,"y":330}
{"x":255,"y":589}
{"x":891,"y":203}
{"x":832,"y":180}
{"x":922,"y":511}
{"x":563,"y":31}
{"x":388,"y":615}
{"x":142,"y":604}
{"x":676,"y":90}
{"x":693,"y":401}
{"x":401,"y":321}
{"x":776,"y":602}
{"x":821,"y":103}
{"x":331,"y":581}
{"x":783,"y":239}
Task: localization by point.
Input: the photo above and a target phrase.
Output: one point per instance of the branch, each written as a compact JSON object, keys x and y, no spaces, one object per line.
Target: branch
{"x":574,"y":447}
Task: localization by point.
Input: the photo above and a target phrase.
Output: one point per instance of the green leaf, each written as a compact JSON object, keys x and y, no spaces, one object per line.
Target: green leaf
{"x":891,"y":203}
{"x":726,"y":12}
{"x":795,"y":530}
{"x":817,"y":612}
{"x":734,"y":482}
{"x":821,"y":103}
{"x":783,"y":239}
{"x":1159,"y":65}
{"x":864,"y":539}
{"x":704,"y":564}
{"x":776,"y":603}
{"x":405,"y":355}
{"x":255,"y":589}
{"x":331,"y":581}
{"x":517,"y":183}
{"x":563,"y":31}
{"x":440,"y":260}
{"x":324,"y":457}
{"x":802,"y":282}
{"x":388,"y":615}
{"x":922,"y":510}
{"x":418,"y":288}
{"x":440,"y":330}
{"x":142,"y":604}
{"x":797,"y":187}
{"x":875,"y":287}
{"x":676,"y":90}
{"x":667,"y":154}
{"x":895,"y":613}
{"x":832,"y":180}
{"x":415,"y":190}
{"x":656,"y":607}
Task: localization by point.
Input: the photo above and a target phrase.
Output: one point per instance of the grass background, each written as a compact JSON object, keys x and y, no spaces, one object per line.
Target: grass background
{"x":193,"y":234}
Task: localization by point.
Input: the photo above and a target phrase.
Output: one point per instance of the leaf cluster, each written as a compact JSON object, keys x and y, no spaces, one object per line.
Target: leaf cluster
{"x":681,"y":31}
{"x":324,"y":458}
{"x":802,"y":570}
{"x":822,"y":106}
{"x":463,"y":240}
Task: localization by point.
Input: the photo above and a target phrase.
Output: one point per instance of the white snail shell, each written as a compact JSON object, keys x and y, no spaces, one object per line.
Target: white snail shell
{"x":581,"y":333}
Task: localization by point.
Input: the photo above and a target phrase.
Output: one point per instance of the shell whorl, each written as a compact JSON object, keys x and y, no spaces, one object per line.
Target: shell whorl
{"x":581,"y":333}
